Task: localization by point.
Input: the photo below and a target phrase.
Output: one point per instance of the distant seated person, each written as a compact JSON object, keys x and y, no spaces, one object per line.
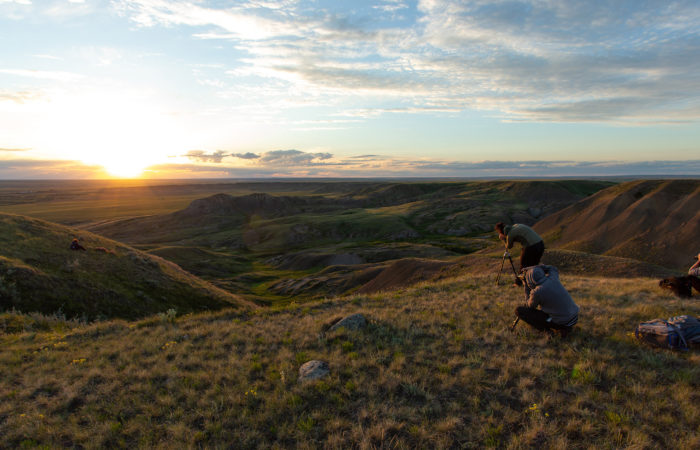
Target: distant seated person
{"x":75,"y":245}
{"x":558,"y":313}
{"x":533,"y":246}
{"x":695,"y":268}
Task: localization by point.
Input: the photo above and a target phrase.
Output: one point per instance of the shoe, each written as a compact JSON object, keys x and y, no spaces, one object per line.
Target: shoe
{"x":563,"y":332}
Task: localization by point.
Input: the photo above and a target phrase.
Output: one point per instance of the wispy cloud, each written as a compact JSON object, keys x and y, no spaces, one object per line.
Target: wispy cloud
{"x":293,"y":158}
{"x":52,"y":57}
{"x":42,"y":74}
{"x":22,"y":97}
{"x":14,"y":149}
{"x":560,"y":61}
{"x":247,"y":155}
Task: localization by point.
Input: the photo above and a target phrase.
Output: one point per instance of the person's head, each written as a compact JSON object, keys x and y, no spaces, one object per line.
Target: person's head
{"x":499,"y":227}
{"x":534,"y":276}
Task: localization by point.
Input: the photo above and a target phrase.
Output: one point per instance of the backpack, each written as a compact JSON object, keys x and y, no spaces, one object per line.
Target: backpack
{"x":677,"y":332}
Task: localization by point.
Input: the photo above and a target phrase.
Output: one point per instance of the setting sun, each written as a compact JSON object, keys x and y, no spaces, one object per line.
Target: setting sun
{"x":123,"y":134}
{"x":123,"y":169}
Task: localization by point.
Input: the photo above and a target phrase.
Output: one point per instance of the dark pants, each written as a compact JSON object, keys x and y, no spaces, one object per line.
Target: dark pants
{"x":531,"y":255}
{"x":538,"y":319}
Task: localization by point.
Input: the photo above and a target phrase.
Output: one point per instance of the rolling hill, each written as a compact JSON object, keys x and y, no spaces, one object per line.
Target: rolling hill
{"x":40,"y":273}
{"x":654,"y":221}
{"x":411,"y":210}
{"x":328,"y":241}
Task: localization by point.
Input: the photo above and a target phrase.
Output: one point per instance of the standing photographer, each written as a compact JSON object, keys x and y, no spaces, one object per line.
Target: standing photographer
{"x":533,"y":246}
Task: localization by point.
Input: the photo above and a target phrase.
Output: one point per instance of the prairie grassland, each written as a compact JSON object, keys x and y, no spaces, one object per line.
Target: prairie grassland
{"x":85,"y":201}
{"x":436,"y":367}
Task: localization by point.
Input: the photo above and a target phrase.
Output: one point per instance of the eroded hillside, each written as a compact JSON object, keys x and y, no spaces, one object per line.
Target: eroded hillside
{"x":655,"y":221}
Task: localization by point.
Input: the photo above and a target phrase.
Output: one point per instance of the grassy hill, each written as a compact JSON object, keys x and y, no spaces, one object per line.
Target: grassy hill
{"x":655,"y":221}
{"x":436,"y":367}
{"x":39,"y":273}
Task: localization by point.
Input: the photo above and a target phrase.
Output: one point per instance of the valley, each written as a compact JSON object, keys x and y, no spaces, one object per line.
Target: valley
{"x":284,"y":241}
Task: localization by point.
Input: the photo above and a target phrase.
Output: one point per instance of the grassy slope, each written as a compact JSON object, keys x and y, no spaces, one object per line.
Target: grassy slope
{"x":435,"y":368}
{"x":38,"y":272}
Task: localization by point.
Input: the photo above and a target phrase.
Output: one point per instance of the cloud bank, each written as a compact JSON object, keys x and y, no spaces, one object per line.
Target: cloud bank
{"x":300,"y":164}
{"x":297,"y":163}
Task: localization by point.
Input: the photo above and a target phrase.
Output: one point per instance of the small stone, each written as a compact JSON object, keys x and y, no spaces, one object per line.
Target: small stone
{"x":535,"y":212}
{"x":351,"y":322}
{"x":313,"y":370}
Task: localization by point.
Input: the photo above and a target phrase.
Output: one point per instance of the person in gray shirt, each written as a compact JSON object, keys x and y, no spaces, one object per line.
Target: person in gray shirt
{"x":557,"y":310}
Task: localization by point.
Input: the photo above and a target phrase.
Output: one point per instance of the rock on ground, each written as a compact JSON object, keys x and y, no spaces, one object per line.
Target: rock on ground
{"x":351,"y":322}
{"x":313,"y":370}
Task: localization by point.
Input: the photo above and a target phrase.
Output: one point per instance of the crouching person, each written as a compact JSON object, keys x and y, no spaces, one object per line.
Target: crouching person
{"x":558,"y":312}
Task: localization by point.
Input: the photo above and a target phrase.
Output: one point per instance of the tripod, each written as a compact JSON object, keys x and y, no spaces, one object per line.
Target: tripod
{"x":498,"y":278}
{"x":503,"y":262}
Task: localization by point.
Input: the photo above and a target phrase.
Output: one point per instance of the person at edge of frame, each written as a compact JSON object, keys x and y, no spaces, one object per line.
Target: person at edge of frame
{"x":558,"y":312}
{"x":532,"y":243}
{"x":695,"y":268}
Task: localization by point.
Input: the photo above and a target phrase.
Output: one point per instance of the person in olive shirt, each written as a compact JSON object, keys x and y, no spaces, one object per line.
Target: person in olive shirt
{"x":533,"y":246}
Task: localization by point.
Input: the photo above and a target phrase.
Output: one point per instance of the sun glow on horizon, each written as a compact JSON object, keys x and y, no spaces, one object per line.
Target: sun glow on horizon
{"x":118,"y":169}
{"x":121,"y":133}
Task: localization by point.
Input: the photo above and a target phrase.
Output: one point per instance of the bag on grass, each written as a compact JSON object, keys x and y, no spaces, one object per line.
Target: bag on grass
{"x":677,"y":332}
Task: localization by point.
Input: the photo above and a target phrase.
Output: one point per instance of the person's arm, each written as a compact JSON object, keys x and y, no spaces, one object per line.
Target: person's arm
{"x":697,"y":263}
{"x":533,"y":300}
{"x":509,"y":240}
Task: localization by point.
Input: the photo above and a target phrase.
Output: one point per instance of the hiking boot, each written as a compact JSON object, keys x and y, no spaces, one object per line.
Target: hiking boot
{"x":563,"y":332}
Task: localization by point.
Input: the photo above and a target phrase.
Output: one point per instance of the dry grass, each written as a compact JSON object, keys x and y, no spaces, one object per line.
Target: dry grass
{"x":435,"y":368}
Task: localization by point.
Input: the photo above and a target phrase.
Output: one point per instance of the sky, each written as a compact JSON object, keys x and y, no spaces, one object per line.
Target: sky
{"x":355,"y":88}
